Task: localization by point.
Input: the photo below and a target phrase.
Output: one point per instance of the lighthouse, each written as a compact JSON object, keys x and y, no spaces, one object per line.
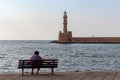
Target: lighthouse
{"x":65,"y":36}
{"x":65,"y":23}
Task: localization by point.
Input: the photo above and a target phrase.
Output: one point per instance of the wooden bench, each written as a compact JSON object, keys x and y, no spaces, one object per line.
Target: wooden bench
{"x":45,"y":63}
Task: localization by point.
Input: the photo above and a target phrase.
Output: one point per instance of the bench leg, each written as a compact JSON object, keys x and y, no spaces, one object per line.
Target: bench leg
{"x":52,"y":71}
{"x":22,"y":71}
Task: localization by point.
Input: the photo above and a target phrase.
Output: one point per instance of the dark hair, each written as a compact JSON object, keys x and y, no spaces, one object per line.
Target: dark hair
{"x":36,"y":52}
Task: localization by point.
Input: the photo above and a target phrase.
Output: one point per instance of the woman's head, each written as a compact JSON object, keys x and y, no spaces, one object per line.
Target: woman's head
{"x":36,"y":53}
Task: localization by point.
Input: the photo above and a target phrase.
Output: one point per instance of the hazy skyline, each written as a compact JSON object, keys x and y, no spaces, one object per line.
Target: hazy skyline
{"x":43,"y":19}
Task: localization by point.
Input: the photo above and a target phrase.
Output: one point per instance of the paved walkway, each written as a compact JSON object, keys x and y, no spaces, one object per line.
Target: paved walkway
{"x":88,"y":75}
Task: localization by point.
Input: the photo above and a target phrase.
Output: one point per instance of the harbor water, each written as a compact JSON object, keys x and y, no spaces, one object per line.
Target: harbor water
{"x":71,"y":57}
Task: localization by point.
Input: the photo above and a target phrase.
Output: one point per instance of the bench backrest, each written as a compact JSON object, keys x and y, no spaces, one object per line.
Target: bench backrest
{"x":45,"y":63}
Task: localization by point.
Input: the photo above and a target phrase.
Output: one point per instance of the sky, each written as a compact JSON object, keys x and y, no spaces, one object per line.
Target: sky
{"x":43,"y":19}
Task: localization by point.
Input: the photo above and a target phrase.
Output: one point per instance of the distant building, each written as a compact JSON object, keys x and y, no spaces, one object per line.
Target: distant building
{"x":66,"y":36}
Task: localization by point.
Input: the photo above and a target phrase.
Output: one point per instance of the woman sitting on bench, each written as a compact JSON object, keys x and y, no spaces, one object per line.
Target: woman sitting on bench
{"x":35,"y":57}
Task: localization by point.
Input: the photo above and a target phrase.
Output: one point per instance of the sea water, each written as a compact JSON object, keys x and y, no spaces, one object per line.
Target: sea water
{"x":71,"y":57}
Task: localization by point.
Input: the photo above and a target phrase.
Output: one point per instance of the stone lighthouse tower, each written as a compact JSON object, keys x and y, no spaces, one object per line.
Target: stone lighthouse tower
{"x":65,"y":23}
{"x":65,"y":36}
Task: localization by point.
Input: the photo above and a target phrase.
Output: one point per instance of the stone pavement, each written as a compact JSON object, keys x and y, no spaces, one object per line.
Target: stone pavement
{"x":82,"y":75}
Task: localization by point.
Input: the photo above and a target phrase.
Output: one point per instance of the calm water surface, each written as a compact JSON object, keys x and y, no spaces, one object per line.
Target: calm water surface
{"x":71,"y":57}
